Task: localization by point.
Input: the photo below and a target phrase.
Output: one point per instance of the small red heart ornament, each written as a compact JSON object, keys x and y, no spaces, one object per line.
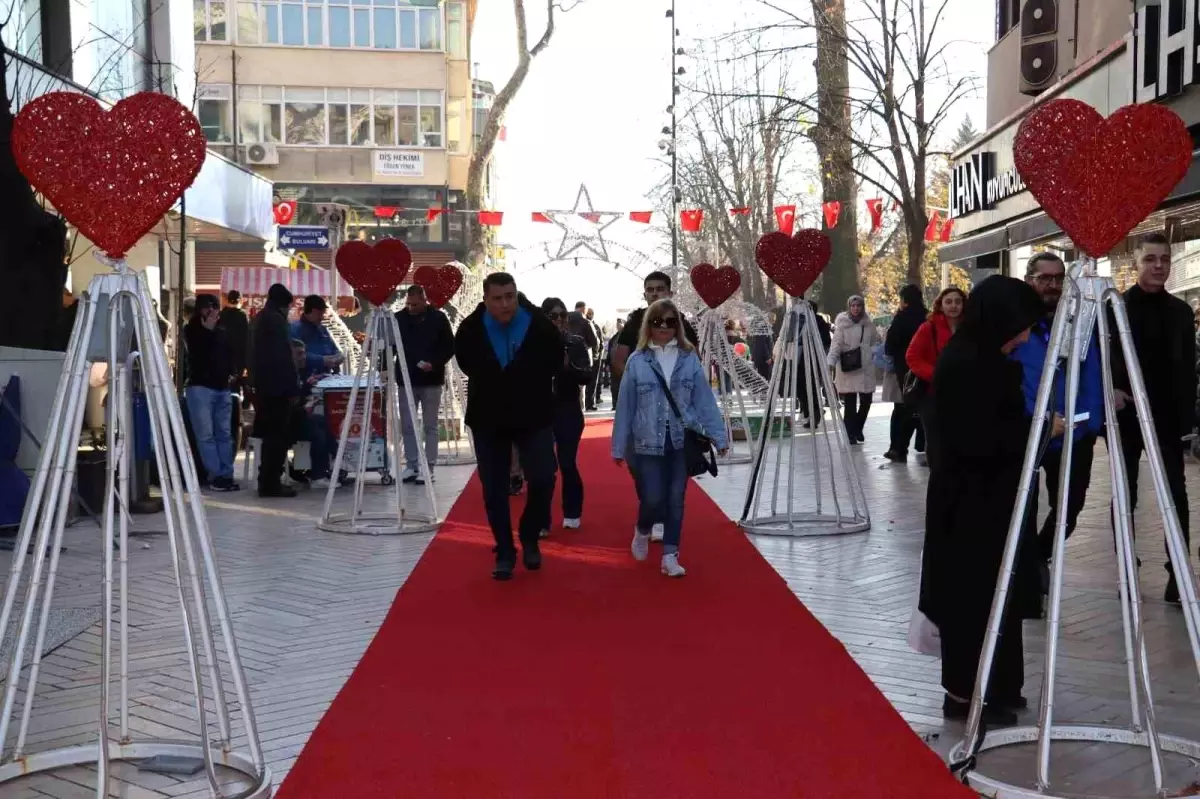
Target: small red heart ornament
{"x":794,"y":262}
{"x":1099,"y":178}
{"x":375,"y":272}
{"x":715,"y":285}
{"x":441,"y":283}
{"x":113,"y":175}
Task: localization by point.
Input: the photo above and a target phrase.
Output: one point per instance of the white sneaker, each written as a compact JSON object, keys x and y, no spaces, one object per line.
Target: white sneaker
{"x":570,"y":524}
{"x":657,"y":533}
{"x":671,"y":567}
{"x":544,"y":534}
{"x":409,"y":476}
{"x":320,"y":482}
{"x":640,"y":546}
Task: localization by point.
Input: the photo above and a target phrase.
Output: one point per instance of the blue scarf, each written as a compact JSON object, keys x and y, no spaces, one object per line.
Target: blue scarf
{"x":506,"y":339}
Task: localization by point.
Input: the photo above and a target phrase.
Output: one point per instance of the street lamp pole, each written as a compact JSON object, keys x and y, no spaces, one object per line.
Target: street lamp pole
{"x":674,"y":153}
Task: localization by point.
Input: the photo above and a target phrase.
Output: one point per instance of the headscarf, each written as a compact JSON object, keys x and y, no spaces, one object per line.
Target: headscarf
{"x":862,"y":303}
{"x":998,"y":309}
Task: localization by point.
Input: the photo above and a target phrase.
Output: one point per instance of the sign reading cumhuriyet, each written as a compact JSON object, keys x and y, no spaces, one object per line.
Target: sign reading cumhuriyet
{"x":975,"y":186}
{"x":1163,"y":61}
{"x":399,"y":164}
{"x":305,"y":236}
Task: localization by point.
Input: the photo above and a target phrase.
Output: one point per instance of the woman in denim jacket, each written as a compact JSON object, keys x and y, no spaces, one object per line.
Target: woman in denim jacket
{"x":647,"y":432}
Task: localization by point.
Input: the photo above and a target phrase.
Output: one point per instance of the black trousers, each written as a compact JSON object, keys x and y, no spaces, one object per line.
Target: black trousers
{"x":962,"y":647}
{"x":904,"y":423}
{"x":568,"y":430}
{"x":592,"y":389}
{"x":535,"y":450}
{"x":855,"y":414}
{"x":1172,"y":448}
{"x":1081,"y":476}
{"x":273,"y":425}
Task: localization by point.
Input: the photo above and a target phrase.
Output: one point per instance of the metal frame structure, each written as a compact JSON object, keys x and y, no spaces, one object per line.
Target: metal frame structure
{"x":458,"y":451}
{"x":115,"y":308}
{"x":384,"y":348}
{"x":716,"y":354}
{"x":1081,"y":315}
{"x":800,"y":347}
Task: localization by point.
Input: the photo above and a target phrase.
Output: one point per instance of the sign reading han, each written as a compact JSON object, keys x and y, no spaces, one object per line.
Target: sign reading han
{"x":1162,"y":51}
{"x":975,"y":186}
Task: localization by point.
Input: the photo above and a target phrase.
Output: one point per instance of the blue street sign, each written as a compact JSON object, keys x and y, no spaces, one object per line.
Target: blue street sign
{"x":303,"y":236}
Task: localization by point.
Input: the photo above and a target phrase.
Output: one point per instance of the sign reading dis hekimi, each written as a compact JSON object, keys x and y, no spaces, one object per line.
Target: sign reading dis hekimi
{"x":399,"y":164}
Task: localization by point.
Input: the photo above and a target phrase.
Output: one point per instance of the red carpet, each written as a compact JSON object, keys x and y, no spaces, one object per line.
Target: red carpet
{"x":598,"y":677}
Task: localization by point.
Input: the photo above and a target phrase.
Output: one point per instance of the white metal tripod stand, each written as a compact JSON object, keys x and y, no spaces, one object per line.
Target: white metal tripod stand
{"x":458,"y":449}
{"x":383,"y":349}
{"x":115,"y":307}
{"x":830,"y":505}
{"x":736,"y":378}
{"x":1081,"y":315}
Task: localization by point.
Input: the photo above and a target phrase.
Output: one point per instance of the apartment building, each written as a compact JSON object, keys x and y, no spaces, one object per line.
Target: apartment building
{"x":1109,"y":54}
{"x":366,"y":104}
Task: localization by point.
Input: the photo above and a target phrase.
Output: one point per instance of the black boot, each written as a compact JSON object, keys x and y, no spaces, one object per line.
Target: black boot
{"x":505,"y":563}
{"x":993,"y":714}
{"x":531,"y":555}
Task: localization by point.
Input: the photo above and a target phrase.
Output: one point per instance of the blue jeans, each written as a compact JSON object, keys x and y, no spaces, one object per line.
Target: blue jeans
{"x":315,"y":431}
{"x":210,"y":411}
{"x":568,"y":429}
{"x":535,"y":449}
{"x":661,"y":484}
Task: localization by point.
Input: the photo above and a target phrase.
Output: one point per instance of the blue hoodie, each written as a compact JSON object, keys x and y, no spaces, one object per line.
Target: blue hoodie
{"x":1032,"y":357}
{"x":506,"y":339}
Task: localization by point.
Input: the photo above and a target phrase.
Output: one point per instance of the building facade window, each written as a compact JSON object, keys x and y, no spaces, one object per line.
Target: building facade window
{"x":456,"y":31}
{"x":455,"y":126}
{"x":410,"y":225}
{"x":214,"y":108}
{"x":22,"y":30}
{"x":362,"y":24}
{"x":320,"y":117}
{"x":1008,"y":15}
{"x":209,"y":19}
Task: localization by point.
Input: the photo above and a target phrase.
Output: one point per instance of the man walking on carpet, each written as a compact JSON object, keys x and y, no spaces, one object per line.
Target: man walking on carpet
{"x":510,"y":352}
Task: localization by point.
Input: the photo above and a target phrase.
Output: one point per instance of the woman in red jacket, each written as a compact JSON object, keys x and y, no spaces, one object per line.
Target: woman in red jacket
{"x":927,"y":344}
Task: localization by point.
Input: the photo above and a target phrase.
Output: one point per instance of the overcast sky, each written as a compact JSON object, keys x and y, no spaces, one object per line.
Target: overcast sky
{"x":592,"y":111}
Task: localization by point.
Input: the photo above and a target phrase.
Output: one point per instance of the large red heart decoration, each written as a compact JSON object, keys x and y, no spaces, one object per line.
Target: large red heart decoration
{"x":793,"y":262}
{"x":715,"y":285}
{"x":113,"y":175}
{"x":1099,"y":178}
{"x":376,"y":271}
{"x":441,"y":283}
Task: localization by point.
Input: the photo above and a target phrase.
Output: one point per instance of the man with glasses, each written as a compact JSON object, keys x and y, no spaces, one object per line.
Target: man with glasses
{"x":1165,"y":344}
{"x":1046,"y":273}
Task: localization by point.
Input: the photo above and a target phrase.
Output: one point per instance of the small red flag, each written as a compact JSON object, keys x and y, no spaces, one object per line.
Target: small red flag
{"x":432,"y":214}
{"x":491,"y":218}
{"x":833,"y":210}
{"x":875,"y":207}
{"x":538,"y":216}
{"x":947,"y":229}
{"x":785,"y":219}
{"x":640,"y":216}
{"x":739,"y":211}
{"x":931,"y":230}
{"x":691,"y":221}
{"x":592,"y":217}
{"x":284,"y":210}
{"x":385,"y":211}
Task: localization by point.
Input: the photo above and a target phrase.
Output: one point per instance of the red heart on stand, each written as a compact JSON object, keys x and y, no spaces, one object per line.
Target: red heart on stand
{"x":715,"y":285}
{"x":794,"y":262}
{"x":441,"y":283}
{"x":1099,"y":178}
{"x":375,"y":272}
{"x":113,"y":175}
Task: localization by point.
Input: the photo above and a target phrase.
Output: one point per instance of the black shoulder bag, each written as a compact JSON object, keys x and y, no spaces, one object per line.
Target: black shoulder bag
{"x":914,"y":390}
{"x":851,"y":360}
{"x":697,"y":447}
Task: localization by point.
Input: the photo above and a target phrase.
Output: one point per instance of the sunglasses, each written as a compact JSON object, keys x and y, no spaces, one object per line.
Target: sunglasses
{"x":665,"y":323}
{"x":554,"y":316}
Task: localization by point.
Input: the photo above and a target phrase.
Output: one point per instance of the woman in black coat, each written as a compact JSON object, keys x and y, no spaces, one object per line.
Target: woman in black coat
{"x":573,"y":374}
{"x":981,"y":436}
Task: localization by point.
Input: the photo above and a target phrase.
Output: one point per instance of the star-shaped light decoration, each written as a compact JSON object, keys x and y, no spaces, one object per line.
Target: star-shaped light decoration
{"x":596,"y":222}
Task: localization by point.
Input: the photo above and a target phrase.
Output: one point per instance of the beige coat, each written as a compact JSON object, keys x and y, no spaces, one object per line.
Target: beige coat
{"x":846,"y":336}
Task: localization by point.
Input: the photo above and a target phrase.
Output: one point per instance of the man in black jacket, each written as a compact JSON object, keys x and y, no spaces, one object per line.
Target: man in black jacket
{"x":428,"y":346}
{"x":237,"y":328}
{"x":510,"y":352}
{"x":1164,"y":339}
{"x":578,"y":324}
{"x":912,"y":315}
{"x":276,"y":386}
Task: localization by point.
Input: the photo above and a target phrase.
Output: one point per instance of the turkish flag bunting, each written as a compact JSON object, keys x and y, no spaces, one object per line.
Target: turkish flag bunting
{"x":284,"y":210}
{"x":875,"y":207}
{"x":785,"y":219}
{"x":592,"y":217}
{"x":432,"y":214}
{"x":934,"y":226}
{"x":947,"y":229}
{"x":832,"y":211}
{"x":640,"y":216}
{"x":691,"y":221}
{"x":538,"y":216}
{"x":739,"y":211}
{"x":491,"y":218}
{"x":385,"y":211}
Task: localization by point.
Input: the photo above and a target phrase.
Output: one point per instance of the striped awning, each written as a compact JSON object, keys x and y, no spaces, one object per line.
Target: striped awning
{"x":256,"y":281}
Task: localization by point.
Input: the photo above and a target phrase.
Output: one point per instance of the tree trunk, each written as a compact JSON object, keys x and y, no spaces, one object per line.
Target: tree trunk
{"x":832,"y":136}
{"x":33,"y":267}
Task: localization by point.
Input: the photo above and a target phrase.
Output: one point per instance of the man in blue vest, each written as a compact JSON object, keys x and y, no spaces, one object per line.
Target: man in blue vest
{"x":1046,"y":273}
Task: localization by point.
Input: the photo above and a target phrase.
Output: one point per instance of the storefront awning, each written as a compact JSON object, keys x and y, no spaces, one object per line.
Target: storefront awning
{"x":256,"y":281}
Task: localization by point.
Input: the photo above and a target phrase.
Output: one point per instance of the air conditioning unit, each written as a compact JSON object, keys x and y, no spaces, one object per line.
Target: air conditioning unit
{"x":262,"y":154}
